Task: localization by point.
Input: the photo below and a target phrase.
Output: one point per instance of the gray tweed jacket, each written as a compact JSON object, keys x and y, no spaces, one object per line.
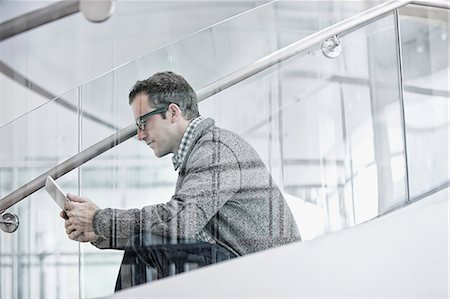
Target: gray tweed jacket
{"x":223,"y":192}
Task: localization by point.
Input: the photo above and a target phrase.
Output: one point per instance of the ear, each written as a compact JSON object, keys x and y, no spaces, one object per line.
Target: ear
{"x":174,"y":112}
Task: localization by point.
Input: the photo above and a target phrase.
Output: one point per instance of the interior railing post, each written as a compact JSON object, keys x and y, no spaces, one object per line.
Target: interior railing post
{"x":402,"y":99}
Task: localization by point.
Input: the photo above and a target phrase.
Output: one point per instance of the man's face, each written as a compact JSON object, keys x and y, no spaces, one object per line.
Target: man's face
{"x":159,"y":133}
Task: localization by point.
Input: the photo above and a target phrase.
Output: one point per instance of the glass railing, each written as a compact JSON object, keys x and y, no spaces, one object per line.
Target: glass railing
{"x":38,"y":260}
{"x":425,"y":48}
{"x":330,"y":131}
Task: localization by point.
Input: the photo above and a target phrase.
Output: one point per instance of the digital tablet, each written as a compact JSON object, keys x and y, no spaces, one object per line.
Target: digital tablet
{"x":55,"y":192}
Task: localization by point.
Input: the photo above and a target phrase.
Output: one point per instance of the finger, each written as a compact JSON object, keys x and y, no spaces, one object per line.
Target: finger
{"x":63,"y":215}
{"x":70,"y":230}
{"x":67,"y":223}
{"x":68,"y":206}
{"x":74,"y":235}
{"x":76,"y":198}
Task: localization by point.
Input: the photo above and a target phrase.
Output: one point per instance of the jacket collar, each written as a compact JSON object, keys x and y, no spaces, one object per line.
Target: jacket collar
{"x":199,"y":131}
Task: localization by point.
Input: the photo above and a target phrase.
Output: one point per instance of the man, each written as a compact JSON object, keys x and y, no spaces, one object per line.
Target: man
{"x":224,"y":194}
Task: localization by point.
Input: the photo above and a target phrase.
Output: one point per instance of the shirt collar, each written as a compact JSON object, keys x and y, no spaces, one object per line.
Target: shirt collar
{"x":186,"y":141}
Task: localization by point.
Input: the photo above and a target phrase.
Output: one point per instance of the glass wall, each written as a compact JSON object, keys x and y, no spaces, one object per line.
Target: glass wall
{"x":330,"y":132}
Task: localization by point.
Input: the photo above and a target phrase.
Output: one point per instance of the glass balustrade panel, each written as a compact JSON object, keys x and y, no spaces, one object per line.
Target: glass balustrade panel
{"x":202,"y":58}
{"x":425,"y":47}
{"x":38,"y":260}
{"x":329,"y":130}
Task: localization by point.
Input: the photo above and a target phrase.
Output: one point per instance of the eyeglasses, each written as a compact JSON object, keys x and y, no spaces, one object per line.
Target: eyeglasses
{"x":141,"y":121}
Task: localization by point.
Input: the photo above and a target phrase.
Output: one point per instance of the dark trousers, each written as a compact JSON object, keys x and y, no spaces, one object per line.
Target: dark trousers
{"x":152,"y":257}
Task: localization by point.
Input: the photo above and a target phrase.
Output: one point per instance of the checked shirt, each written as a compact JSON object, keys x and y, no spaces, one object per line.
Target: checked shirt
{"x":186,"y":141}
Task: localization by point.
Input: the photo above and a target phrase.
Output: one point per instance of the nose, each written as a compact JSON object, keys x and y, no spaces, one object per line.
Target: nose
{"x":140,"y":134}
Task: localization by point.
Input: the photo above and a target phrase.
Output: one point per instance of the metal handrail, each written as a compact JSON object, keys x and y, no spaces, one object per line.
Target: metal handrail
{"x":343,"y":27}
{"x":38,"y":18}
{"x":433,"y":3}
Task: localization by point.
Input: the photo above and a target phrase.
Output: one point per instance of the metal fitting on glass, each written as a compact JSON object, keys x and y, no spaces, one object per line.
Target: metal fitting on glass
{"x":9,"y":222}
{"x":331,"y":48}
{"x":97,"y":11}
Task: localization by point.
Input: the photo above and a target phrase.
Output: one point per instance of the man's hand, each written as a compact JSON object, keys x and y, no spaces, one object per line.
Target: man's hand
{"x":79,"y":218}
{"x":80,"y":237}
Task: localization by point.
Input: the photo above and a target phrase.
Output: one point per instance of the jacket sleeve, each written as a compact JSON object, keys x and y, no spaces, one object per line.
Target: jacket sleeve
{"x":211,"y":177}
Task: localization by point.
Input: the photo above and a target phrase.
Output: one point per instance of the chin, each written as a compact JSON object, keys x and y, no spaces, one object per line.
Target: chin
{"x":158,"y":154}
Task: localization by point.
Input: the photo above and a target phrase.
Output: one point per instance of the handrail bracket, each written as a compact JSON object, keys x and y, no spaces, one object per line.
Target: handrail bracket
{"x":9,"y":222}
